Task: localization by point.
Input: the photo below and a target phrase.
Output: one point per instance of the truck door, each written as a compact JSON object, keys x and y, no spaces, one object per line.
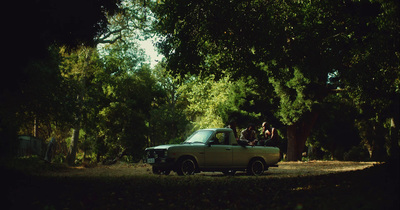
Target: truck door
{"x":218,"y":154}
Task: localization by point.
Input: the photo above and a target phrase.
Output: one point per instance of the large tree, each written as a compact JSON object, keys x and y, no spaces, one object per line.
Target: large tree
{"x":32,"y":30}
{"x":290,"y":47}
{"x":78,"y":70}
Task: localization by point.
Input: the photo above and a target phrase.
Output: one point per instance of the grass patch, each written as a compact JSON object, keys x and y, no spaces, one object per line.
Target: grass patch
{"x":372,"y":188}
{"x":30,"y":165}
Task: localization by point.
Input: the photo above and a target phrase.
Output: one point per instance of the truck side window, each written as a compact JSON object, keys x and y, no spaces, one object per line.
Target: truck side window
{"x":221,"y":138}
{"x":218,"y":138}
{"x":224,"y":138}
{"x":215,"y":139}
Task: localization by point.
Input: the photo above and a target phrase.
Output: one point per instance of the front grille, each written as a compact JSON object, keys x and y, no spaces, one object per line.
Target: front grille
{"x":156,"y":153}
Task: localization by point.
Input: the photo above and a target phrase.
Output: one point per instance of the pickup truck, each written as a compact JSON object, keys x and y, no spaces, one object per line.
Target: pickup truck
{"x":211,"y":150}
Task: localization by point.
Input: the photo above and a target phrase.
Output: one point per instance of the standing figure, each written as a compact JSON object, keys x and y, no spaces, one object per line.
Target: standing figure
{"x":49,"y":151}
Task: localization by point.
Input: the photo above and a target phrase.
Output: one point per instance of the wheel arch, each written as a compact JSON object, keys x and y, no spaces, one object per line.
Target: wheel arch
{"x":250,"y":165}
{"x":258,"y":158}
{"x":182,"y":157}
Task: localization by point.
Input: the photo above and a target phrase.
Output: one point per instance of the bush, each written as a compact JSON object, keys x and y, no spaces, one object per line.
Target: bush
{"x":357,"y":153}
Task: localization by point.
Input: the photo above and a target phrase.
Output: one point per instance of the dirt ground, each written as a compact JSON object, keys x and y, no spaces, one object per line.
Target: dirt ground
{"x":292,"y":185}
{"x":284,"y":169}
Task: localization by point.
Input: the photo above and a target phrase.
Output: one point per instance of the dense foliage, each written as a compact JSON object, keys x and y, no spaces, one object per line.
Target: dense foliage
{"x":325,"y":72}
{"x":301,"y":51}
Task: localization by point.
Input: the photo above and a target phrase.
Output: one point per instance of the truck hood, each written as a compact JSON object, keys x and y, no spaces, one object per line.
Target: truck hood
{"x":165,"y":146}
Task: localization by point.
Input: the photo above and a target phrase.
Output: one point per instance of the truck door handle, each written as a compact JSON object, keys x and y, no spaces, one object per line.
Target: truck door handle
{"x":228,"y":149}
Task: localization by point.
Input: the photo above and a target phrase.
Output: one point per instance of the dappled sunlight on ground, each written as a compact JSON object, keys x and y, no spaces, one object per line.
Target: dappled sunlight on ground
{"x":317,"y":167}
{"x":284,"y":169}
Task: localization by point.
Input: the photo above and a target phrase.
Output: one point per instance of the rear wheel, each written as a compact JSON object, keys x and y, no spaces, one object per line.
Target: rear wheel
{"x":186,"y":166}
{"x":256,"y":167}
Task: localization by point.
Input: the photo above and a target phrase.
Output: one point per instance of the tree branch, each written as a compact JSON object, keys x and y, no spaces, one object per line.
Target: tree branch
{"x":105,"y":40}
{"x":112,"y":41}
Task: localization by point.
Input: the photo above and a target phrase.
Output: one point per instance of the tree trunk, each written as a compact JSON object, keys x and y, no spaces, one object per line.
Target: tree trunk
{"x":75,"y":134}
{"x":294,"y":142}
{"x":394,"y":140}
{"x":394,"y":150}
{"x":80,"y":103}
{"x":35,"y":127}
{"x":74,"y":145}
{"x":378,"y":141}
{"x":297,"y":135}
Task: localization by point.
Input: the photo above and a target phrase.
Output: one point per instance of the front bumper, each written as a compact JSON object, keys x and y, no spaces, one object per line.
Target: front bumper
{"x":158,"y":161}
{"x":158,"y":158}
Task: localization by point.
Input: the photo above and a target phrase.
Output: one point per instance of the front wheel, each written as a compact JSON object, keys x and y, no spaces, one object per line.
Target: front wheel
{"x":256,"y":167}
{"x":186,"y":166}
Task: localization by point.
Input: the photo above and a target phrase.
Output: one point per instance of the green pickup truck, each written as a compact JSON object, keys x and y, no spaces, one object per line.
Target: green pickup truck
{"x":211,"y":150}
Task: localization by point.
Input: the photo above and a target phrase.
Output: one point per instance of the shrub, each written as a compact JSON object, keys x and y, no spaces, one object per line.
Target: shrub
{"x":357,"y":153}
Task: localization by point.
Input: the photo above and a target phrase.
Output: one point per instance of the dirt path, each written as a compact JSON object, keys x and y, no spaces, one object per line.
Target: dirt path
{"x":285,"y":169}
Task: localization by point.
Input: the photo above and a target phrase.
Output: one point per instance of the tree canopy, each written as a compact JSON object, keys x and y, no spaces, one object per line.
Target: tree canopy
{"x":295,"y":48}
{"x":324,"y":73}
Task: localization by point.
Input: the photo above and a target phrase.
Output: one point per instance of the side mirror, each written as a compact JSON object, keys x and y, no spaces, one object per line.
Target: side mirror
{"x":210,"y":142}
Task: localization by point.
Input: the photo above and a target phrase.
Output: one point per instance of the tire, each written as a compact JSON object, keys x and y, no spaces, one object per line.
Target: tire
{"x":256,"y":167}
{"x":186,"y":166}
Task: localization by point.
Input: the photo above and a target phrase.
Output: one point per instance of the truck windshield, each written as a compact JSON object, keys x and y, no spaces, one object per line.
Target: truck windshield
{"x":199,"y":137}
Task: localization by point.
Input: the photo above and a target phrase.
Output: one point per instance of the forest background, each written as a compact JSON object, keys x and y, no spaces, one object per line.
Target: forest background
{"x":324,"y":73}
